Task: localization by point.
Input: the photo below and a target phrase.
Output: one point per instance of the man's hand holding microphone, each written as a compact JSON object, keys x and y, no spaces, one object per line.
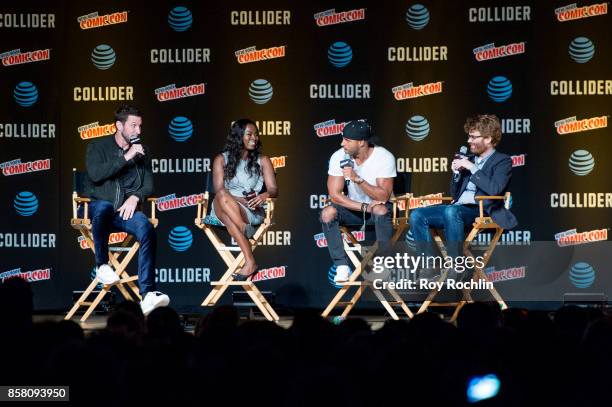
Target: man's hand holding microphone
{"x":135,"y":151}
{"x":461,"y":162}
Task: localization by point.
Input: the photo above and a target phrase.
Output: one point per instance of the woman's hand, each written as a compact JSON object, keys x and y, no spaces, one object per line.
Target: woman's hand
{"x":258,"y":200}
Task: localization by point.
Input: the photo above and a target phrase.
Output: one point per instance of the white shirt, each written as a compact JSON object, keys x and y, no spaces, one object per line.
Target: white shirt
{"x":380,"y":164}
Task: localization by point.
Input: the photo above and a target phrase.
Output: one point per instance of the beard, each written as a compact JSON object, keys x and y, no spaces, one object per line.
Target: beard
{"x":125,"y":137}
{"x":477,"y":149}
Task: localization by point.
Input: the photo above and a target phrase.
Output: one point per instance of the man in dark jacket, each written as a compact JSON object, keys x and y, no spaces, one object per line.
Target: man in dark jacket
{"x":120,"y":170}
{"x":485,"y":172}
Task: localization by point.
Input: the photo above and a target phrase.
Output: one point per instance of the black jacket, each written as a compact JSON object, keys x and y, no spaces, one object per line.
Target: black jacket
{"x":492,"y":179}
{"x":105,"y":165}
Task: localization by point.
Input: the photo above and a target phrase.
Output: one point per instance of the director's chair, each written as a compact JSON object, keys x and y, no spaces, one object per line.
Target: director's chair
{"x":481,"y":223}
{"x":119,"y":255}
{"x":362,"y":258}
{"x":208,"y":224}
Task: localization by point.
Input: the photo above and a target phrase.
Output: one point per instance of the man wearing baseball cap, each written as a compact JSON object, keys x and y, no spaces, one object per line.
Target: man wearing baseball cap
{"x":368,"y":171}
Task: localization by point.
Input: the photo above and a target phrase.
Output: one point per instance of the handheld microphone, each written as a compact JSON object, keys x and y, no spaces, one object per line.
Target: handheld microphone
{"x":249,"y":194}
{"x":135,"y":139}
{"x":461,"y":154}
{"x":346,"y":162}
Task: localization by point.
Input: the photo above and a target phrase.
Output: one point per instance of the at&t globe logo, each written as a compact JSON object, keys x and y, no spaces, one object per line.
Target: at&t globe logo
{"x":499,"y":89}
{"x":180,"y":129}
{"x":582,"y":275}
{"x":25,"y":94}
{"x":339,"y":54}
{"x":260,"y":91}
{"x":581,"y":49}
{"x":25,"y":203}
{"x":581,"y":162}
{"x":417,"y":128}
{"x":103,"y":56}
{"x":180,"y":19}
{"x":417,"y":16}
{"x":180,"y":238}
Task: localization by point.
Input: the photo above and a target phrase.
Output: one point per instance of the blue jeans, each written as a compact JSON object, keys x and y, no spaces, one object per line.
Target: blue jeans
{"x":451,"y":218}
{"x":104,"y":220}
{"x":382,"y":224}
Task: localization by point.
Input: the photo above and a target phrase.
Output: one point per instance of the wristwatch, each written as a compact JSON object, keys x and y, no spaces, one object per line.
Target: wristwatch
{"x":358,"y":180}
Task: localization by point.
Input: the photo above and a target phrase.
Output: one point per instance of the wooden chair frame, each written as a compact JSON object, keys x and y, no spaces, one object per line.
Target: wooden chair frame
{"x":362,"y":258}
{"x":481,"y":223}
{"x":235,"y":263}
{"x":119,"y":258}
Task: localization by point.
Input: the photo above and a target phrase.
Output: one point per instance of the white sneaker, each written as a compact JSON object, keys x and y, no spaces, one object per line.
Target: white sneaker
{"x":152,"y":300}
{"x":107,"y":275}
{"x":342,"y":274}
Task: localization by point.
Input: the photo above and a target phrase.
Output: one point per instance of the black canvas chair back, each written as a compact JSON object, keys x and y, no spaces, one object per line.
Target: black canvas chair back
{"x":81,"y":183}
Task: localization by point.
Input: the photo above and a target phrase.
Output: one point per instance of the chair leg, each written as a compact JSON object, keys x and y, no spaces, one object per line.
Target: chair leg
{"x":479,"y":273}
{"x":95,"y":303}
{"x":257,"y":301}
{"x":457,"y":309}
{"x":215,"y":294}
{"x":432,"y":293}
{"x":360,"y":265}
{"x":261,"y":302}
{"x":335,"y":301}
{"x":385,"y":303}
{"x":233,"y":264}
{"x":81,"y":299}
{"x":401,"y":302}
{"x":124,"y":292}
{"x":349,"y":307}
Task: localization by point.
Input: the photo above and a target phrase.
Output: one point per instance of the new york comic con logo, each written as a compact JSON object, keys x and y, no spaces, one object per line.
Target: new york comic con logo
{"x":16,"y":57}
{"x":171,"y":201}
{"x":421,"y":202}
{"x":252,"y":54}
{"x":490,"y":51}
{"x":329,"y":128}
{"x":321,"y":241}
{"x":573,"y":238}
{"x":16,"y":167}
{"x":30,"y":276}
{"x":518,"y":160}
{"x":94,"y":20}
{"x":279,"y":162}
{"x":573,"y":125}
{"x":95,"y":129}
{"x":270,"y":273}
{"x":331,"y":17}
{"x":512,"y":273}
{"x":171,"y":92}
{"x":410,"y":91}
{"x":113,"y":238}
{"x":573,"y":12}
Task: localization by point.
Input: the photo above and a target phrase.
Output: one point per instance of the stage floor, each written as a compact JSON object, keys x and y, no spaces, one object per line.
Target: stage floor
{"x":98,"y":322}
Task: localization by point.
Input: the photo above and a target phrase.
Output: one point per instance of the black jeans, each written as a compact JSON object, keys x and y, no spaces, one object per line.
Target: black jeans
{"x":382,"y":224}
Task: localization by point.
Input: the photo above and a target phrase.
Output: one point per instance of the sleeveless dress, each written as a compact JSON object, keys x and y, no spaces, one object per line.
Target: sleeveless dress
{"x":244,"y":182}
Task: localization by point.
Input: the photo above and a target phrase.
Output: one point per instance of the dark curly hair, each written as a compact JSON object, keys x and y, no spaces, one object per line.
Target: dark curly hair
{"x":234,"y":146}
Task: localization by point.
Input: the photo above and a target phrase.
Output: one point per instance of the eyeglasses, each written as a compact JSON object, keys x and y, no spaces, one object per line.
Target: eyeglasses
{"x":473,"y":137}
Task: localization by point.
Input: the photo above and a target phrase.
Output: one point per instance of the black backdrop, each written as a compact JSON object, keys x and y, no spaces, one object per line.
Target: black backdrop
{"x":299,"y":267}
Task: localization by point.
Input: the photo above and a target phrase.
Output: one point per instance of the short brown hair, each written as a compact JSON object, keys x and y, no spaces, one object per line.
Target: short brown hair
{"x":487,"y":124}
